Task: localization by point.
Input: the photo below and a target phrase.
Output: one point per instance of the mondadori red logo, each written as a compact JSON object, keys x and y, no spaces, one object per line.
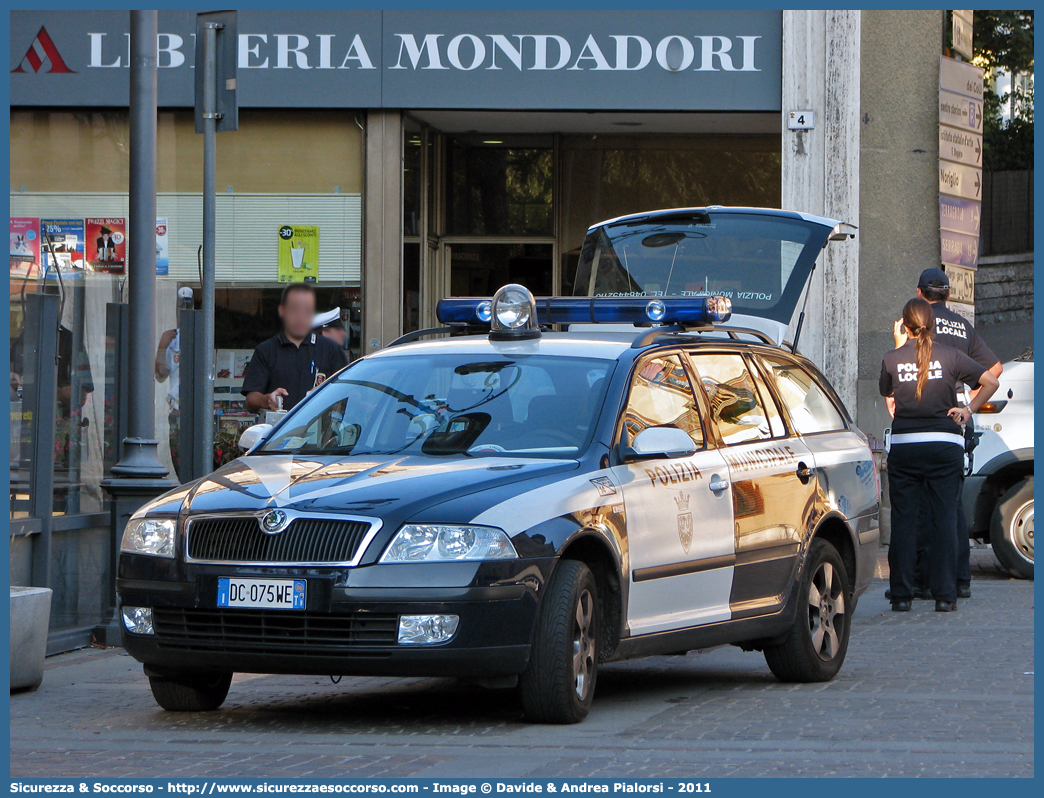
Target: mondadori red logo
{"x":42,"y":56}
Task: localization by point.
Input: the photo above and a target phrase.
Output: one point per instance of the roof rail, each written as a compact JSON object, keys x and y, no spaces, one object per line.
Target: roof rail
{"x":410,"y":337}
{"x":648,"y":337}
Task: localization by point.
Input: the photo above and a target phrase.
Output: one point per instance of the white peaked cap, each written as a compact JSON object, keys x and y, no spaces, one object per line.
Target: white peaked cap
{"x":322,"y":319}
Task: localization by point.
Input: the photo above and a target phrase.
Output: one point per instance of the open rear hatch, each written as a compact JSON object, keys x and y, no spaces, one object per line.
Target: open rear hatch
{"x":761,"y":259}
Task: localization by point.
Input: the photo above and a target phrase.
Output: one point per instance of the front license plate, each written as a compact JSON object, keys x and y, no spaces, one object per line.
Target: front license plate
{"x":269,"y":594}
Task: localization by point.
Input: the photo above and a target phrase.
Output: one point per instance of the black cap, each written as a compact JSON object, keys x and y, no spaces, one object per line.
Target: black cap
{"x":933,"y":278}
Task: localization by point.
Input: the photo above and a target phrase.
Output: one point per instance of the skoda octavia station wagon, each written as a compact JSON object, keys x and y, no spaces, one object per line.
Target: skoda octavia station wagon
{"x":559,"y":483}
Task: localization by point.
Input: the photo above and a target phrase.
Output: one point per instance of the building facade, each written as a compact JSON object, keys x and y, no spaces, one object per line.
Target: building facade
{"x":444,"y":153}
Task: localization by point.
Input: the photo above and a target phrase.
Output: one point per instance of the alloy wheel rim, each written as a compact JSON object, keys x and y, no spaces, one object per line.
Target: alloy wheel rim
{"x":583,"y":644}
{"x":1022,"y":530}
{"x":826,"y":611}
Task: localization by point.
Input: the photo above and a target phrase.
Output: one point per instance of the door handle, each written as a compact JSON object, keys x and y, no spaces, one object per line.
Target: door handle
{"x":717,"y":484}
{"x":804,"y":473}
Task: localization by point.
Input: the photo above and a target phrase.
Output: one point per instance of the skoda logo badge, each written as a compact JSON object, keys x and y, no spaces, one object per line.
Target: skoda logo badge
{"x":273,"y":522}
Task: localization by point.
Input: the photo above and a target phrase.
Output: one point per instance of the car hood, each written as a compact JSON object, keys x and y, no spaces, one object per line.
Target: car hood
{"x":393,"y":488}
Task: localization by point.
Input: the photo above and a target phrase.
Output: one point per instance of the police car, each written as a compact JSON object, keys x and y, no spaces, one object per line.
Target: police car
{"x":562,"y":482}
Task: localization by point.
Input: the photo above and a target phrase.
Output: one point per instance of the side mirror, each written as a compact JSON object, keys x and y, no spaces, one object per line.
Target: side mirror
{"x":252,"y":436}
{"x":660,"y":442}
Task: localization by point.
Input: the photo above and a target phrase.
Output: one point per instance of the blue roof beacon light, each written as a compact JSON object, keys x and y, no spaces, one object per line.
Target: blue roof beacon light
{"x":513,"y":314}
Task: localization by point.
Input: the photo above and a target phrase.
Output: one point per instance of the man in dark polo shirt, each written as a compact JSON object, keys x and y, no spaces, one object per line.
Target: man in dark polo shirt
{"x":287,"y":366}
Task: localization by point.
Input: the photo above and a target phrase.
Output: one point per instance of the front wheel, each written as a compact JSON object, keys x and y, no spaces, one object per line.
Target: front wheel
{"x":559,"y":682}
{"x":191,"y":692}
{"x":815,"y":646}
{"x":1011,"y":530}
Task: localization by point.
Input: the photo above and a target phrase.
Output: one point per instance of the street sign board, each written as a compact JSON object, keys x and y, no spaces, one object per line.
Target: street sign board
{"x":959,"y":249}
{"x":961,"y":40}
{"x":960,"y":77}
{"x":960,"y":146}
{"x":226,"y":64}
{"x":960,"y":172}
{"x":960,"y":111}
{"x":959,"y":180}
{"x":962,"y":284}
{"x":967,"y":311}
{"x":960,"y":215}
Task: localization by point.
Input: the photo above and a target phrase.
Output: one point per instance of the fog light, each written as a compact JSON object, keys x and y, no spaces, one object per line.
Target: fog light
{"x":423,"y":630}
{"x":138,"y":620}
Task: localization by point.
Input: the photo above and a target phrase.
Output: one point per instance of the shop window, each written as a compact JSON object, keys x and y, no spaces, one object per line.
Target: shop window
{"x":494,"y":188}
{"x":480,"y":269}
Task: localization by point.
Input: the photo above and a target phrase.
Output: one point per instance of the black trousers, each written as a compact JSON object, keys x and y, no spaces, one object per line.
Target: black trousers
{"x":963,"y":542}
{"x":932,"y":471}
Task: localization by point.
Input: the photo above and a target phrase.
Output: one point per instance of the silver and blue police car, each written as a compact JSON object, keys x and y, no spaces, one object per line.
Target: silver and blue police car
{"x":560,"y":483}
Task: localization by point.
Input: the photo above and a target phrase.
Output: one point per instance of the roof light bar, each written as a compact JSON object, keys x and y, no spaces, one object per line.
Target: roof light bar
{"x":689,"y":311}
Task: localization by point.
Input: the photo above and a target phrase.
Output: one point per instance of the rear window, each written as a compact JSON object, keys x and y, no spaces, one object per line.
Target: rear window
{"x":760,"y":261}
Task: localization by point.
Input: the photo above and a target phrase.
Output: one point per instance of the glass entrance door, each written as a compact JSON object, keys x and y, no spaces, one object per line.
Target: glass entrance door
{"x":479,"y":269}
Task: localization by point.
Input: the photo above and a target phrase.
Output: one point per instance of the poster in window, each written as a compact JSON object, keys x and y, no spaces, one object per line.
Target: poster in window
{"x":106,"y":241}
{"x":162,"y":247}
{"x":65,"y":238}
{"x":298,"y":253}
{"x":25,"y":246}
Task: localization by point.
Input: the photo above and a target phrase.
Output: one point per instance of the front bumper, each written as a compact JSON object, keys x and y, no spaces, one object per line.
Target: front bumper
{"x":349,"y":626}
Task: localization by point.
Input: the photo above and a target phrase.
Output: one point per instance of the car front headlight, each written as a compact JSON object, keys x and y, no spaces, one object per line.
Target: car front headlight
{"x":436,"y":543}
{"x":146,"y":535}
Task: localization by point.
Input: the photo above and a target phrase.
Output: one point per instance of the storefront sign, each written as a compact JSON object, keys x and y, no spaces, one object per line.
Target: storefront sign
{"x":298,"y":254}
{"x":106,"y":243}
{"x":683,"y":60}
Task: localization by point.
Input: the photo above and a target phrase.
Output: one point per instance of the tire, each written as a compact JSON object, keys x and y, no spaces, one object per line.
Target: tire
{"x":558,"y":684}
{"x":195,"y":692}
{"x":816,"y":644}
{"x":1011,"y":530}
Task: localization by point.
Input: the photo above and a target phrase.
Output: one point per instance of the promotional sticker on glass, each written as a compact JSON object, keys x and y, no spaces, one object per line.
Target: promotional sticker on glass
{"x":106,"y":241}
{"x":63,"y":237}
{"x":25,"y":246}
{"x":298,"y":253}
{"x":162,"y":247}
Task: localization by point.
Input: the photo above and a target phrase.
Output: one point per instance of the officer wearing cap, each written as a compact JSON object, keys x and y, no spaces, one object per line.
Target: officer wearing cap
{"x":288,"y":365}
{"x":951,"y":329}
{"x":330,"y":325}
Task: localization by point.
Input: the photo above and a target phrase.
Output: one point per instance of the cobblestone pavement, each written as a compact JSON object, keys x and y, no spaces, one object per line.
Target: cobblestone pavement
{"x":921,"y":694}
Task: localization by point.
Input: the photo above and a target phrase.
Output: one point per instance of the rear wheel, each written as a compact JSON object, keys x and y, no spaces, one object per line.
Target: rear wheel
{"x":1011,"y":530}
{"x":559,"y":682}
{"x":815,"y":646}
{"x":191,"y":692}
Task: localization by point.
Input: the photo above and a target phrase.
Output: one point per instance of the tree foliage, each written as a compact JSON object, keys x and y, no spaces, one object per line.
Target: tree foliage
{"x":1003,"y":40}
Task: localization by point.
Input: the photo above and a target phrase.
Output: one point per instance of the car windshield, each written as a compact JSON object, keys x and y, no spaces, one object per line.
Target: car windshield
{"x":760,"y":261}
{"x":442,"y":405}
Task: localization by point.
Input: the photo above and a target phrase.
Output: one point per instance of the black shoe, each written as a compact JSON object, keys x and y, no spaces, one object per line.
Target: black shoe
{"x":901,"y":606}
{"x":963,"y":591}
{"x":922,"y":593}
{"x":946,"y":606}
{"x":888,"y":593}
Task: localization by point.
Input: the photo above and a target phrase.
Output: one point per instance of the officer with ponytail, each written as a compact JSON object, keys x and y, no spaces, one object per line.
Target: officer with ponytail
{"x":926,"y":457}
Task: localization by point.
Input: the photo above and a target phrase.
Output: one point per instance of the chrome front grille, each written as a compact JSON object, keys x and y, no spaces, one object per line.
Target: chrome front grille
{"x":305,"y":540}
